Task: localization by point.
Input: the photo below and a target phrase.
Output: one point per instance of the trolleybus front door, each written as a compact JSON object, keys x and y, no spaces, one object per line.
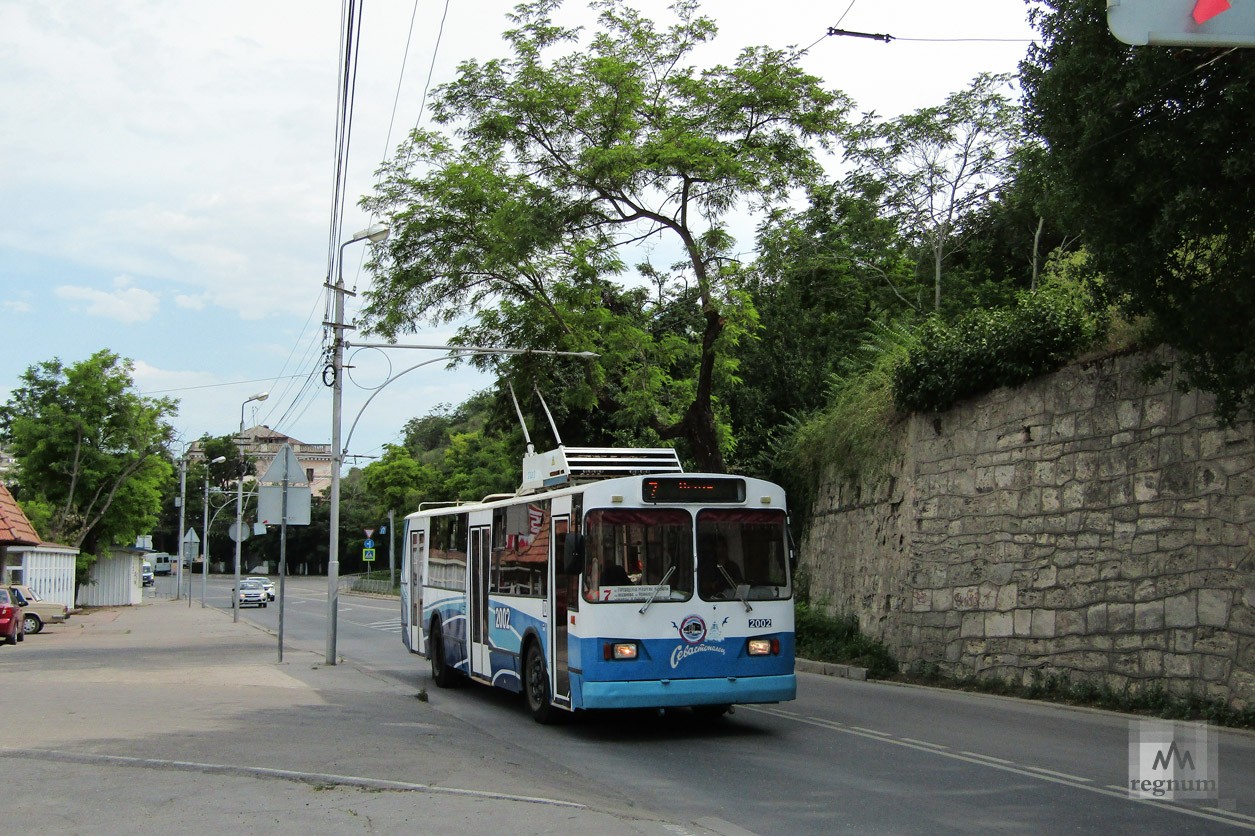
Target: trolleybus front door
{"x":478,"y":604}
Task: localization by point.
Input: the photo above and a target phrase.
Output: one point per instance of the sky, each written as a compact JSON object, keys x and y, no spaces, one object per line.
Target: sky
{"x":166,"y":168}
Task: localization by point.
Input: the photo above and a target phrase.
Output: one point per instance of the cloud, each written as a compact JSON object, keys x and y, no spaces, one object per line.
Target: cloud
{"x":124,"y":303}
{"x":15,"y":306}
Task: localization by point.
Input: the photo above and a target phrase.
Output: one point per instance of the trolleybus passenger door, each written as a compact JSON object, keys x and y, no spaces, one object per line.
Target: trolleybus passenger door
{"x":478,"y":604}
{"x":561,"y":587}
{"x":418,"y":559}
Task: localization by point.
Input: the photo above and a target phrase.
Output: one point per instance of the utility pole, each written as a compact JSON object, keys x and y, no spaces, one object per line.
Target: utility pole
{"x":375,"y":234}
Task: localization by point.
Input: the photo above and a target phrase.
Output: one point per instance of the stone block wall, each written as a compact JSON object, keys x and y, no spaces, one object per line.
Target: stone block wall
{"x":1088,"y":523}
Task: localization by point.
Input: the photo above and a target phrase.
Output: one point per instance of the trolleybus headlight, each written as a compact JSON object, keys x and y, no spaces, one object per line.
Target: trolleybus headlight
{"x":764,"y":647}
{"x":619,"y":651}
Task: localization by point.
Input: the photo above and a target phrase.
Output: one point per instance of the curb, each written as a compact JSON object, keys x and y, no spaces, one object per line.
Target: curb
{"x":831,"y":669}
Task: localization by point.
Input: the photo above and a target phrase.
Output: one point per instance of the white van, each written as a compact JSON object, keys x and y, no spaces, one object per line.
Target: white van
{"x":163,"y":564}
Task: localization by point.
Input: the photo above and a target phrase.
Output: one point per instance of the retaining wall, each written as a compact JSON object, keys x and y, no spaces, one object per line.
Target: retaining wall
{"x":1088,"y":523}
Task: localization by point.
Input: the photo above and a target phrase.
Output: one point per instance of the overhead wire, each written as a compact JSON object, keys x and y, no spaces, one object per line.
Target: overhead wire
{"x":422,"y":105}
{"x":349,"y":54}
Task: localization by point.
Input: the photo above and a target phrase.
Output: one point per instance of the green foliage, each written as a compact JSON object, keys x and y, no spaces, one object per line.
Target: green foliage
{"x":448,"y":455}
{"x":90,"y":449}
{"x":1152,"y":157}
{"x":940,"y":163}
{"x":996,"y":347}
{"x":824,"y":277}
{"x":825,"y":638}
{"x":581,"y":142}
{"x":852,"y":434}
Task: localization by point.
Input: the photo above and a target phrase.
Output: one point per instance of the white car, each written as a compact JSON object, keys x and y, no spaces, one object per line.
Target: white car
{"x":266,"y":583}
{"x":252,"y":592}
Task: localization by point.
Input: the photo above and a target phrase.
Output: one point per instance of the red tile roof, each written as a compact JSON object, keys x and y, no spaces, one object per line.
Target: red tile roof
{"x":15,"y":529}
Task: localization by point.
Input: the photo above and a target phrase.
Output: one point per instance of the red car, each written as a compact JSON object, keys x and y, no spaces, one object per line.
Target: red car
{"x":11,"y":616}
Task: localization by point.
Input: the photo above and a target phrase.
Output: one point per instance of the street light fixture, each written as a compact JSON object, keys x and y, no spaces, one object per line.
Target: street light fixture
{"x":375,"y":233}
{"x":239,"y":509}
{"x":204,"y":543}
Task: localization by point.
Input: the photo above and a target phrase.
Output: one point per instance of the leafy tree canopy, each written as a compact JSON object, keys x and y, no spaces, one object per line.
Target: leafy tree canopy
{"x":1151,"y":152}
{"x":89,"y":449}
{"x":939,"y":163}
{"x":553,"y":160}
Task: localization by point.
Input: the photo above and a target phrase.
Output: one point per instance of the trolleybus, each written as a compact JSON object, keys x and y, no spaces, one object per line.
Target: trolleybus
{"x":611,"y":579}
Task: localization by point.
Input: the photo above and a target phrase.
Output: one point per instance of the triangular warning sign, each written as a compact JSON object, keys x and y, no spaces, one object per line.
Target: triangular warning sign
{"x":285,"y":466}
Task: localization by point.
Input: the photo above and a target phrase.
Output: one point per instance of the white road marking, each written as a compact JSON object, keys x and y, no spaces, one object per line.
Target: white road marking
{"x":1122,"y":793}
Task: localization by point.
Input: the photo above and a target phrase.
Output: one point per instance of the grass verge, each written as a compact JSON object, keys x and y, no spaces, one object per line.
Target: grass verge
{"x":1060,"y":688}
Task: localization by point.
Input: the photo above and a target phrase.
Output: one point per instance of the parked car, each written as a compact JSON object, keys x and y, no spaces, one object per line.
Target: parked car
{"x":149,"y":578}
{"x":36,"y":611}
{"x":266,"y":584}
{"x":11,"y":631}
{"x":252,"y":592}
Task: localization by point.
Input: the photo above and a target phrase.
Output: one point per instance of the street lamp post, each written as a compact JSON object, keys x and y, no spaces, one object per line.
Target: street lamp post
{"x":374,"y":234}
{"x":204,"y":543}
{"x":178,"y":572}
{"x":239,"y":509}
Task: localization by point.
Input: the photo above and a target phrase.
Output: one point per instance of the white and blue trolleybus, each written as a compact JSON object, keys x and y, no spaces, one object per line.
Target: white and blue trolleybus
{"x":611,"y":579}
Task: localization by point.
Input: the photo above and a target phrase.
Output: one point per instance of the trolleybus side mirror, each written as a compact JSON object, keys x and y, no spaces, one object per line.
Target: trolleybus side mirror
{"x":573,"y":553}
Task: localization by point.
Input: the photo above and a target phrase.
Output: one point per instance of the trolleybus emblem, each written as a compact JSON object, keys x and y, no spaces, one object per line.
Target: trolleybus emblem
{"x":692,"y":629}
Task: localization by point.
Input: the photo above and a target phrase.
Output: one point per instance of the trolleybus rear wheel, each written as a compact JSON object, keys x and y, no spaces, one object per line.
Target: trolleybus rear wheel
{"x":443,"y":675}
{"x":536,"y":685}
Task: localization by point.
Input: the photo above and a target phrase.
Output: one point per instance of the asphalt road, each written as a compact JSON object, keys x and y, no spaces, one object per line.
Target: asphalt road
{"x":845,"y":756}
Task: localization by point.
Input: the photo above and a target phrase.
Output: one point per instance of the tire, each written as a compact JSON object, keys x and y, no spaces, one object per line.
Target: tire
{"x":443,"y":675}
{"x":11,"y":639}
{"x":711,"y":712}
{"x":31,"y":623}
{"x":536,"y":685}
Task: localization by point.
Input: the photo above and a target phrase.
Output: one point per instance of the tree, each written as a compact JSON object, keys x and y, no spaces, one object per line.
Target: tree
{"x":938,"y":163}
{"x":222,"y":476}
{"x":1150,"y":150}
{"x":570,"y":151}
{"x":824,"y":276}
{"x":90,"y":448}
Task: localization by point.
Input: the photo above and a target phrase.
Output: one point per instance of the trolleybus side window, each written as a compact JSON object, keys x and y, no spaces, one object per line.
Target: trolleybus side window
{"x":520,"y":549}
{"x":628,"y":553}
{"x":447,"y":553}
{"x":742,"y":553}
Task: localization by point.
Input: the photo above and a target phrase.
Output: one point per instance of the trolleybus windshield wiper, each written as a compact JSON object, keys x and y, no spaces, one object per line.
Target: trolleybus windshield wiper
{"x":736,"y":588}
{"x":657,"y":589}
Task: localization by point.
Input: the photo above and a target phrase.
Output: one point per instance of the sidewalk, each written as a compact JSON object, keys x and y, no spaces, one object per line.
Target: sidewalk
{"x":164,"y":717}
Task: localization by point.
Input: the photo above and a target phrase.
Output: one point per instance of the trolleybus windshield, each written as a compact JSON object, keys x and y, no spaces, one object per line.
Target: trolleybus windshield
{"x":629,"y":552}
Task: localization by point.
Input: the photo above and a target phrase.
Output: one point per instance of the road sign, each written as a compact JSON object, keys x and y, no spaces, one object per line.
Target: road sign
{"x":368,"y":544}
{"x":285,"y":467}
{"x":1202,"y":23}
{"x":238,"y":534}
{"x":368,"y":555}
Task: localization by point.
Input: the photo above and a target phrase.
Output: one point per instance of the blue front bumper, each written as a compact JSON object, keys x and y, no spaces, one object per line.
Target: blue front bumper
{"x":675,"y":692}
